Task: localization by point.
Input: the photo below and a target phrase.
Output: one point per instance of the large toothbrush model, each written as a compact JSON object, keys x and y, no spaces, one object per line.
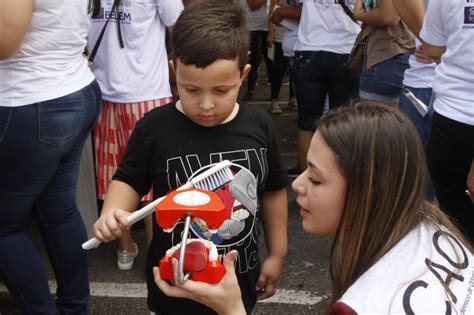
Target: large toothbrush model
{"x":198,"y":260}
{"x":216,"y":176}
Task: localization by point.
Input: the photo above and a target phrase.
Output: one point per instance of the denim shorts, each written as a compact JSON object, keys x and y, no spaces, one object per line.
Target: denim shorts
{"x":317,"y":75}
{"x":384,"y":81}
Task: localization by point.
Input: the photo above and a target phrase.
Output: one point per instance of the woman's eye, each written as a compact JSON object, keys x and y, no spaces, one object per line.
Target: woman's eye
{"x":222,"y":91}
{"x":313,"y":181}
{"x":191,"y":90}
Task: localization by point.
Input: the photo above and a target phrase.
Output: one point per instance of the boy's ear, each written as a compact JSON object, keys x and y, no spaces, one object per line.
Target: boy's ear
{"x":171,"y":66}
{"x":245,"y":71}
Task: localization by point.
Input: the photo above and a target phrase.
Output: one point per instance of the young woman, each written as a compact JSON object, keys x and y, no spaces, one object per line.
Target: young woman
{"x":393,"y":252}
{"x":49,"y":102}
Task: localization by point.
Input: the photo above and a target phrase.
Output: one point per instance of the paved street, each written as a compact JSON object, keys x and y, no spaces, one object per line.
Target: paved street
{"x":304,"y":286}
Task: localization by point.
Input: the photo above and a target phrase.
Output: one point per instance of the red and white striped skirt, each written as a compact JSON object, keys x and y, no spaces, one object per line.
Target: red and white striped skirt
{"x":111,"y":134}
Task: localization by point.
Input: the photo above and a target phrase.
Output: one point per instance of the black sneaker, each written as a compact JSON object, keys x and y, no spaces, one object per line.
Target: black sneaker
{"x":293,"y":171}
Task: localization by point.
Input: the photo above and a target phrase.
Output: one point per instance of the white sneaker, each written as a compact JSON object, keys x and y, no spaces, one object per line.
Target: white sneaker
{"x":275,"y":108}
{"x":125,"y":259}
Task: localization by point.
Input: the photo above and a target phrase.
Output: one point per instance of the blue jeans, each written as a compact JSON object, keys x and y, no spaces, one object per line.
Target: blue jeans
{"x":317,"y":75}
{"x":384,"y":81}
{"x":422,"y":124}
{"x":40,"y":151}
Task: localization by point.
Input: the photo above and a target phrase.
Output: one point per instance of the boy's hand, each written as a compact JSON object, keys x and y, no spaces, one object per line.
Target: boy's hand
{"x":269,"y":276}
{"x":111,"y":225}
{"x":224,"y":297}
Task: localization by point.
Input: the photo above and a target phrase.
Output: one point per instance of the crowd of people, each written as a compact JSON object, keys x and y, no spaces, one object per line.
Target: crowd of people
{"x":157,"y":84}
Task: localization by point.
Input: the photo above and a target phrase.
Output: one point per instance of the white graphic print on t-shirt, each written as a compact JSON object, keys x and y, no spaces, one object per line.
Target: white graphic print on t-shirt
{"x":240,"y":227}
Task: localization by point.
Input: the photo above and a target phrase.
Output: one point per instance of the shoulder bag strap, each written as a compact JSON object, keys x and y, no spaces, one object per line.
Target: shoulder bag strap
{"x":347,"y":10}
{"x":102,"y":32}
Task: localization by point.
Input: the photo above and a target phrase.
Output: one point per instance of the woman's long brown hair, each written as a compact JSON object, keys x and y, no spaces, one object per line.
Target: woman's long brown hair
{"x":380,"y":154}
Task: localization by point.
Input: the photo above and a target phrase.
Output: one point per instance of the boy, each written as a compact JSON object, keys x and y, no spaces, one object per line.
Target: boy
{"x":210,"y":44}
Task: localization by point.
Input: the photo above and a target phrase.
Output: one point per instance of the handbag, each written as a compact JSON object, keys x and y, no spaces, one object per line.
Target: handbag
{"x":353,"y":63}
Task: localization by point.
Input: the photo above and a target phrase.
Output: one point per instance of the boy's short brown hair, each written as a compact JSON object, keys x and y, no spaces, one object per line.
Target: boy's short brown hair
{"x":208,"y":30}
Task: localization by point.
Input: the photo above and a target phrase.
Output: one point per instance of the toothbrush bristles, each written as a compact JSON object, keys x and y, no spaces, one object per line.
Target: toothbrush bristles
{"x":216,"y":180}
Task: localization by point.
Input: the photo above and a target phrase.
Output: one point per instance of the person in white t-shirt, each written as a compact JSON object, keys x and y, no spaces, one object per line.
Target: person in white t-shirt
{"x":276,"y":35}
{"x":131,"y":66}
{"x":49,"y":102}
{"x":393,"y":252}
{"x":326,"y":35}
{"x":284,"y":18}
{"x":448,"y":33}
{"x":256,"y":12}
{"x":418,"y":78}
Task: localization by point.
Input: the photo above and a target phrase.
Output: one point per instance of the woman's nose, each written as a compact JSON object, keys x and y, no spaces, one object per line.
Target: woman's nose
{"x":298,"y":186}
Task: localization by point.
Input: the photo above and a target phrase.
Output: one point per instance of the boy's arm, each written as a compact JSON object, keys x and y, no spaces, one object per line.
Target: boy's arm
{"x":120,"y":200}
{"x":275,"y":225}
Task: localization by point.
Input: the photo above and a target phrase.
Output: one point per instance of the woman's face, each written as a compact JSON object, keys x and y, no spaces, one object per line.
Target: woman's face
{"x":321,"y":190}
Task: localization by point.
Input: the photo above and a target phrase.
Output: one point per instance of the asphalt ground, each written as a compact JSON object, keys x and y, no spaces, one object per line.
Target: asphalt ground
{"x":304,"y":287}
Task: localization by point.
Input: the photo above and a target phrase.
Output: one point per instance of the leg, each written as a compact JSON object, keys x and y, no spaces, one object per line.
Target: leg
{"x":342,"y":85}
{"x":62,"y":228}
{"x":280,"y":64}
{"x":311,"y":90}
{"x":126,"y":115}
{"x":292,"y":103}
{"x":110,"y":146}
{"x":269,"y":64}
{"x":255,"y":58}
{"x":303,"y":141}
{"x":422,"y":123}
{"x":47,"y":131}
{"x":450,"y":154}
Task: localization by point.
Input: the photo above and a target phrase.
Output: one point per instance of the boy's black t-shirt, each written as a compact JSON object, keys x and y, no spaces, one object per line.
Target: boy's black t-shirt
{"x":166,"y":148}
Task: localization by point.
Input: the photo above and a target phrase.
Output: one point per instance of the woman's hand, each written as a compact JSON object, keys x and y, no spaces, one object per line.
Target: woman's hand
{"x":224,"y":297}
{"x":421,"y":55}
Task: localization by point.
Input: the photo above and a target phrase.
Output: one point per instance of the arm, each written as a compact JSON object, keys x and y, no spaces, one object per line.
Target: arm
{"x":275,"y":225}
{"x":224,"y":297}
{"x":434,"y":52}
{"x":292,"y":13}
{"x":433,"y":32}
{"x":271,"y":28}
{"x":255,"y":4}
{"x":384,"y":15}
{"x":120,"y":200}
{"x":412,"y":12}
{"x":15,"y":17}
